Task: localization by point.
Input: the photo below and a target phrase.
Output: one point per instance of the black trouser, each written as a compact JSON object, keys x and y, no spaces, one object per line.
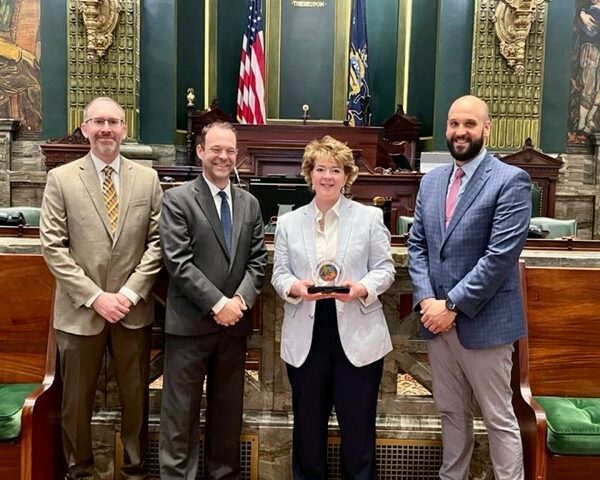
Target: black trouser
{"x":188,"y":359}
{"x":326,"y":379}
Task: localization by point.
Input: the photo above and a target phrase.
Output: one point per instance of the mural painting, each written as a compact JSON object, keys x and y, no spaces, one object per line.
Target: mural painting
{"x":19,"y":62}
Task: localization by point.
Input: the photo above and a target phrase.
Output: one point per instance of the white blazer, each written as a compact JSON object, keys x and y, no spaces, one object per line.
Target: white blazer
{"x":365,"y":254}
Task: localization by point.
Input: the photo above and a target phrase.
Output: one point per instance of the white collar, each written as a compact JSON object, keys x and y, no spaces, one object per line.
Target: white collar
{"x":99,"y":164}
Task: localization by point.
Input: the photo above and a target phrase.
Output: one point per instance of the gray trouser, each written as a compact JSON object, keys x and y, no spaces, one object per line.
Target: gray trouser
{"x":458,"y":373}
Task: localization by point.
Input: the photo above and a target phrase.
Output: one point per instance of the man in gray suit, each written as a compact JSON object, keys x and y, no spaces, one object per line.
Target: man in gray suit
{"x":99,"y":234}
{"x":213,"y":247}
{"x":469,"y":228}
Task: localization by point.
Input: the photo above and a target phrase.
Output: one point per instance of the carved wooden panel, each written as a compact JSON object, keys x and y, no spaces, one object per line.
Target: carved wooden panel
{"x":543,"y":170}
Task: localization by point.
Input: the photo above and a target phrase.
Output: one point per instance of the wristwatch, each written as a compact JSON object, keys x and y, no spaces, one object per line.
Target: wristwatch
{"x":450,"y":305}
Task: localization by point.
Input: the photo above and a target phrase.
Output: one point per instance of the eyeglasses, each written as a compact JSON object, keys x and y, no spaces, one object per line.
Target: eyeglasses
{"x":217,"y":151}
{"x":100,"y":122}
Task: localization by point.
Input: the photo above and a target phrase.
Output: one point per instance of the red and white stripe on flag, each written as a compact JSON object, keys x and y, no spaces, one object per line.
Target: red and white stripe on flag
{"x":251,"y":84}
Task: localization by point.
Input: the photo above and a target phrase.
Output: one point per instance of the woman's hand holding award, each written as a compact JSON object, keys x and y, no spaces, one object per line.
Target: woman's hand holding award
{"x":328,"y":276}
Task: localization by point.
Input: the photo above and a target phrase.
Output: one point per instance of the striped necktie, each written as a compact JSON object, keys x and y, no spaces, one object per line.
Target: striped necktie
{"x":110,"y":198}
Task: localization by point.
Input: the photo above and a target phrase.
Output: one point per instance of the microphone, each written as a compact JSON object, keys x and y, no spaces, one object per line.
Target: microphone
{"x":239,"y":182}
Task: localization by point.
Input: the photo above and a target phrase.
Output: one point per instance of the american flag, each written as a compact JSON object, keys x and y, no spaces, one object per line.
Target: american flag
{"x":251,"y":84}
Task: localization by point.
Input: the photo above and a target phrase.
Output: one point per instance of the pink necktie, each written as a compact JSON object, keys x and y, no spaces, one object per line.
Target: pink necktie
{"x":453,"y":194}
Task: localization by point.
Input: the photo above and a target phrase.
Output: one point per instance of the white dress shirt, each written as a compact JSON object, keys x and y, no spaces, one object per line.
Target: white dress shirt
{"x":214,"y":191}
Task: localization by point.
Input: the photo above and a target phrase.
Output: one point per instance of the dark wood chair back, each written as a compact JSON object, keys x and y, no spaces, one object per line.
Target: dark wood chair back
{"x":560,"y":357}
{"x":28,"y":355}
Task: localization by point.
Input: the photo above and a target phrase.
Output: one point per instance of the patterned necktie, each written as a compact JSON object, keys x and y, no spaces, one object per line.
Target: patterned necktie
{"x":110,"y":198}
{"x":226,"y":219}
{"x":453,"y":194}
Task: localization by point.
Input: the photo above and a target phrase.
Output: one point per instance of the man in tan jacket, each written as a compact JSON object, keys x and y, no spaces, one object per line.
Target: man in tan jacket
{"x":99,"y":233}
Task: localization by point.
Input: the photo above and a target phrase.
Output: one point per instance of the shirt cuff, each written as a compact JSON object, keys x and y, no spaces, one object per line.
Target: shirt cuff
{"x":217,"y":307}
{"x":92,"y":299}
{"x":133,"y":297}
{"x":369,"y":299}
{"x":292,"y":300}
{"x":242,"y":299}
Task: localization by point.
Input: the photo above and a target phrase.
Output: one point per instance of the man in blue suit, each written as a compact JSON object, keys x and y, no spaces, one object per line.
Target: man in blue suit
{"x":469,"y":228}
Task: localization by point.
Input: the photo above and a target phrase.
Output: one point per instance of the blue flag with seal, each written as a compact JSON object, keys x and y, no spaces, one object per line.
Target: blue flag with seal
{"x":359,"y":95}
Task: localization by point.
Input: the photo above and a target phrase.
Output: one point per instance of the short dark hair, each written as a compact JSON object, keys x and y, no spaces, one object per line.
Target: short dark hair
{"x":217,"y":124}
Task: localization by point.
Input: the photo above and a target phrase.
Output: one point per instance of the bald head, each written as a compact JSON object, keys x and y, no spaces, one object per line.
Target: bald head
{"x":468,"y":125}
{"x":472,"y":104}
{"x":102,"y":100}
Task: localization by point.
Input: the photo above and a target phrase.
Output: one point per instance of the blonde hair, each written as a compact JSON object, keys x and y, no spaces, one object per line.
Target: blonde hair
{"x":329,"y":149}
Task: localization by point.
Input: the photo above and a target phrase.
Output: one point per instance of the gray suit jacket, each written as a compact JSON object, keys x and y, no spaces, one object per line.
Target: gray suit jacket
{"x":81,"y":251}
{"x":196,"y":258}
{"x":365,"y":255}
{"x":474,"y":262}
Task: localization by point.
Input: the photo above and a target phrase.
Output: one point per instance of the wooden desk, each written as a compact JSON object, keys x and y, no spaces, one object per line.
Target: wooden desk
{"x":398,"y":135}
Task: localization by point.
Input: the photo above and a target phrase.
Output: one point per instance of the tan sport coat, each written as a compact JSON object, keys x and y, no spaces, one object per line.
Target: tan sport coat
{"x":81,"y":251}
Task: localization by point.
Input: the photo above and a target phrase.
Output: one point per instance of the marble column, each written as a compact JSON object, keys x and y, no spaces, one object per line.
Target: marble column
{"x":596,"y":175}
{"x":8,"y":127}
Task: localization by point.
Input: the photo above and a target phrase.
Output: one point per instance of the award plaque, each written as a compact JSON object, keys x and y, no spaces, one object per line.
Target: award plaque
{"x":328,"y":276}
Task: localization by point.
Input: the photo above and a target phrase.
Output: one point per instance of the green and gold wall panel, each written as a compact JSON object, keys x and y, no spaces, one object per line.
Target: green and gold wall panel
{"x":306,"y":55}
{"x":514,"y":97}
{"x":307,"y":45}
{"x":115,"y":74}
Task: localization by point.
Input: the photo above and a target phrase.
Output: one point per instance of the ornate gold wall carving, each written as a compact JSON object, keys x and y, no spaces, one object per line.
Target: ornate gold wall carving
{"x":100,"y":18}
{"x":116,"y":74}
{"x":513,"y":23}
{"x":514,"y":95}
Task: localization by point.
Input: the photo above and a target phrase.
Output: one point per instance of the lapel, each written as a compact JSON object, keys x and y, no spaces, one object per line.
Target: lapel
{"x":89,"y":178}
{"x":472,"y":190}
{"x":309,"y":233}
{"x":239,"y":213}
{"x":344,"y":228}
{"x":205,"y":201}
{"x":441,"y":192}
{"x":126,"y":184}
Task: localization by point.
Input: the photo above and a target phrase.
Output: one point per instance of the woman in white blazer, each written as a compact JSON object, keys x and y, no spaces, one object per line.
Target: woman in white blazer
{"x":333,"y":342}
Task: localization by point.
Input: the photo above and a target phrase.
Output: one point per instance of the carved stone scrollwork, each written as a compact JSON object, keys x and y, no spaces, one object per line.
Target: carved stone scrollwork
{"x":100,"y":18}
{"x":513,"y":19}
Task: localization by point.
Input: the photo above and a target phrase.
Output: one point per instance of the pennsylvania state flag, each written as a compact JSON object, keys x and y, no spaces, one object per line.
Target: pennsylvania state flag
{"x":359,"y":96}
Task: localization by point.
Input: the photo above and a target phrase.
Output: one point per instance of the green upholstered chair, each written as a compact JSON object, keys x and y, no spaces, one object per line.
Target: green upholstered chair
{"x":31,"y":214}
{"x":30,"y":384}
{"x":536,"y":200}
{"x":403,"y":224}
{"x":557,"y":228}
{"x":573,"y":425}
{"x":556,"y":392}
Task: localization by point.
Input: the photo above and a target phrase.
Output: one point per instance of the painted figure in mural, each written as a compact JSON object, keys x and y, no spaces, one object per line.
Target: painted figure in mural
{"x":6,"y":7}
{"x":589,"y":58}
{"x":19,"y":67}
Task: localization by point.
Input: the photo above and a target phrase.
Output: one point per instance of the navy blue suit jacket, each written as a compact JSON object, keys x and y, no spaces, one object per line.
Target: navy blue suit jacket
{"x":474,"y":262}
